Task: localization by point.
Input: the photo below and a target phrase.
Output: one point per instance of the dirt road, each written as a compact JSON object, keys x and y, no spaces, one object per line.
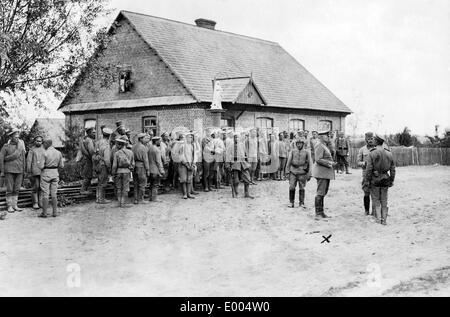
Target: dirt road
{"x":219,"y":246}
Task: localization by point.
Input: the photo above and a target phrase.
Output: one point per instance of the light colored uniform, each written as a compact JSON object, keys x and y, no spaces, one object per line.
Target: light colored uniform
{"x":50,"y":176}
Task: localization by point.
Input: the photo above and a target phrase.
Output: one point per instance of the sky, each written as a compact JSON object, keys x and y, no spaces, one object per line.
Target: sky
{"x":388,"y":61}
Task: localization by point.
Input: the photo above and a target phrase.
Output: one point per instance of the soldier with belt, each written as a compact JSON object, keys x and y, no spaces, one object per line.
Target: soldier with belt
{"x":187,"y":166}
{"x":35,"y":156}
{"x":50,"y":177}
{"x":208,"y":159}
{"x":342,"y":147}
{"x":102,"y":164}
{"x":236,"y":162}
{"x":363,"y":153}
{"x":123,"y":164}
{"x":299,"y":172}
{"x":156,"y":167}
{"x":323,"y":171}
{"x":12,"y":167}
{"x":87,"y":148}
{"x":380,"y":175}
{"x":142,"y":168}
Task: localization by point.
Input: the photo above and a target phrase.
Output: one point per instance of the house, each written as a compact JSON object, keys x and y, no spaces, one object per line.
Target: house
{"x":52,"y":128}
{"x":163,"y":76}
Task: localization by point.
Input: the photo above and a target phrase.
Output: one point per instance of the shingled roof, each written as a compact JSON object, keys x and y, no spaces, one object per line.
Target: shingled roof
{"x":198,"y":55}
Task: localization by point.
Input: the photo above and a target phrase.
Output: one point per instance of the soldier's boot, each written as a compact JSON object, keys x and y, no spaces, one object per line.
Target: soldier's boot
{"x":384,"y":214}
{"x":154,"y":192}
{"x":377,"y":214}
{"x":136,"y":194}
{"x":184,"y":189}
{"x":35,"y":199}
{"x":301,"y":197}
{"x":317,"y":207}
{"x":39,"y":194}
{"x":189,"y":191}
{"x":291,"y":198}
{"x":125,"y":200}
{"x":141,"y":197}
{"x":15,"y":201}
{"x":210,"y":187}
{"x":324,"y":215}
{"x":119,"y":198}
{"x":43,"y":214}
{"x":346,"y":170}
{"x":367,"y":205}
{"x":97,"y":195}
{"x":3,"y":215}
{"x":102,"y":200}
{"x":246,"y":191}
{"x":9,"y":203}
{"x":55,"y":206}
{"x":236,"y":189}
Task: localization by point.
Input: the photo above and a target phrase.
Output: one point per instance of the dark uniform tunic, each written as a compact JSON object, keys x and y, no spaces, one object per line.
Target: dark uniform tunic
{"x":34,"y":158}
{"x":12,"y":164}
{"x":88,"y":150}
{"x":141,"y":169}
{"x":298,"y":167}
{"x":123,"y":164}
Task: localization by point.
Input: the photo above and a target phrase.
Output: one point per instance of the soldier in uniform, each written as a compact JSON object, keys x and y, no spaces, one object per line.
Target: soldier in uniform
{"x":35,"y":156}
{"x":102,"y":164}
{"x":186,"y":168}
{"x":118,"y":132}
{"x":342,"y":147}
{"x":208,"y":160}
{"x":141,"y":168}
{"x":12,"y":167}
{"x":298,"y":167}
{"x":323,"y":171}
{"x":283,"y":153}
{"x":128,"y":135}
{"x":237,"y":164}
{"x":123,"y":164}
{"x":87,"y":148}
{"x":363,"y":153}
{"x":219,"y":148}
{"x":380,"y":175}
{"x":252,"y":152}
{"x":50,"y":177}
{"x":312,"y":143}
{"x":156,"y":167}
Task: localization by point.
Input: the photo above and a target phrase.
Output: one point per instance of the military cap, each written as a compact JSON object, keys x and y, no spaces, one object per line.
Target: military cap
{"x":165,"y":134}
{"x":107,"y":131}
{"x":119,"y":123}
{"x":141,"y":135}
{"x":38,"y":136}
{"x":122,"y":139}
{"x":379,"y":139}
{"x":323,"y":132}
{"x":368,"y":134}
{"x":89,"y":129}
{"x":14,"y":130}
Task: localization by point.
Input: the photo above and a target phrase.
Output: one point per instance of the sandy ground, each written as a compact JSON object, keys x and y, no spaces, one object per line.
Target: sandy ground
{"x":219,"y":246}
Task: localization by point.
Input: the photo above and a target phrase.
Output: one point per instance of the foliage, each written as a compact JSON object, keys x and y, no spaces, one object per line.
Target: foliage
{"x":70,"y":172}
{"x":47,"y":42}
{"x":74,"y":134}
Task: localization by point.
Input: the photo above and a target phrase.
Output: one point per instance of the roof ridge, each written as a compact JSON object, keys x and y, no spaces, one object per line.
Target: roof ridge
{"x":194,"y":26}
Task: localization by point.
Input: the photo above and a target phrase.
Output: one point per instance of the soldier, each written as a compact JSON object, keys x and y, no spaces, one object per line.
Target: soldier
{"x":50,"y":177}
{"x":363,"y":153}
{"x":283,"y":153}
{"x":118,"y":132}
{"x":123,"y":164}
{"x":323,"y":171}
{"x":187,"y":166}
{"x":35,"y":156}
{"x":141,"y":168}
{"x":237,"y":164}
{"x":252,"y":152}
{"x":380,"y":175}
{"x":87,"y":150}
{"x":342,"y":147}
{"x":208,"y":160}
{"x":299,"y":172}
{"x":156,"y":167}
{"x":128,"y":135}
{"x":12,"y":167}
{"x":313,"y":141}
{"x":102,"y":164}
{"x":219,"y":158}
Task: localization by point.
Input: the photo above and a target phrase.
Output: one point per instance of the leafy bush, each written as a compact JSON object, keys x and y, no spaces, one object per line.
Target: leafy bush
{"x":70,"y":172}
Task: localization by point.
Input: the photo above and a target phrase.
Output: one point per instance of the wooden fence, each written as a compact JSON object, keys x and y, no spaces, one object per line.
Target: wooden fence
{"x":405,"y":156}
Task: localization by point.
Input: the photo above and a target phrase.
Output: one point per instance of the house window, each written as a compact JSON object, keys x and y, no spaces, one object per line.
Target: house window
{"x":325,"y":125}
{"x":90,"y":123}
{"x":264,"y":123}
{"x":296,"y":124}
{"x":125,"y":82}
{"x":150,"y":124}
{"x":226,"y":123}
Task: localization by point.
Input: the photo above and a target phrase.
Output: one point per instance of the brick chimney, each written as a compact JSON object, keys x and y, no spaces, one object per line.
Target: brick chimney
{"x":207,"y":24}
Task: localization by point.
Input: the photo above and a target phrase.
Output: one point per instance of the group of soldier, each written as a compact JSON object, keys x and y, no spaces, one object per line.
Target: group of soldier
{"x":219,"y":157}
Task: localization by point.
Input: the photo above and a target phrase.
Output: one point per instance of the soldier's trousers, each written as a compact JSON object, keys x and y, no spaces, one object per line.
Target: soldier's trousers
{"x":322,"y":186}
{"x":103,"y":177}
{"x":13,"y":182}
{"x":139,"y":181}
{"x":35,"y":181}
{"x":379,"y":196}
{"x":241,"y":174}
{"x":49,"y":186}
{"x":297,"y":178}
{"x":208,"y":172}
{"x":154,"y":180}
{"x":86,"y":173}
{"x":122,"y":183}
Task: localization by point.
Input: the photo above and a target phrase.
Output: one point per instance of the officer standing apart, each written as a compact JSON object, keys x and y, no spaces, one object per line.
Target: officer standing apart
{"x":363,"y":153}
{"x":380,"y":175}
{"x":299,"y":172}
{"x":123,"y":164}
{"x":142,"y":168}
{"x":342,"y":147}
{"x":102,"y":164}
{"x":12,"y":168}
{"x":323,"y":171}
{"x":50,"y":177}
{"x":87,"y":148}
{"x":35,"y":156}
